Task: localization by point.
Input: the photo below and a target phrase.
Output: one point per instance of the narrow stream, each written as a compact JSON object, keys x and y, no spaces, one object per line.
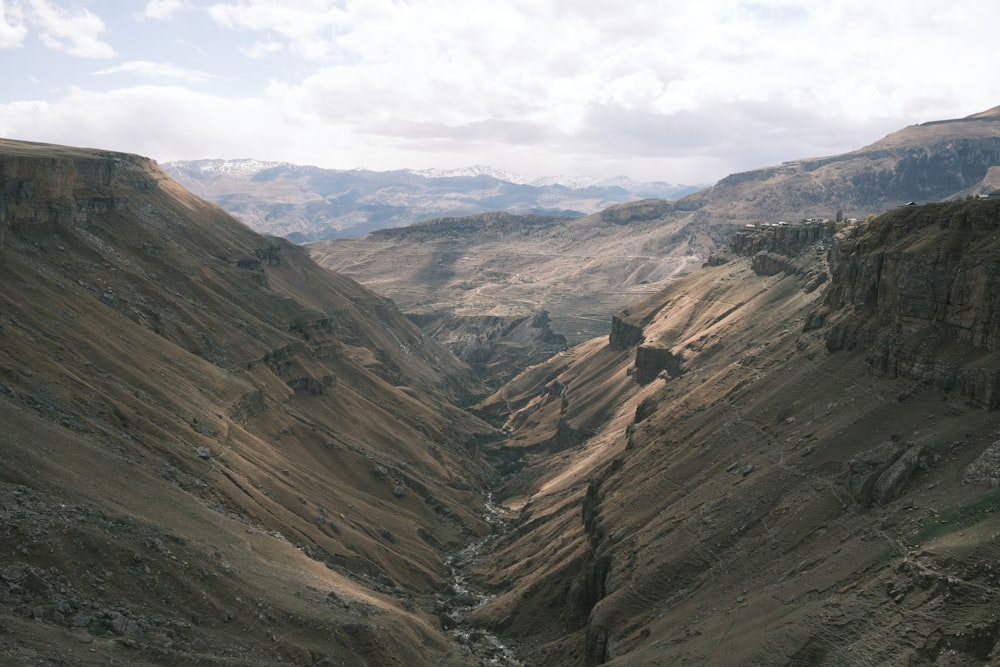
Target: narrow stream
{"x":485,"y":646}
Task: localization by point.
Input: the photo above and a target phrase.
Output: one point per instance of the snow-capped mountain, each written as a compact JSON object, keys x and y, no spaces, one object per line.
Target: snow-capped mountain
{"x":571,"y":181}
{"x":473,"y":171}
{"x":239,"y":168}
{"x":306,"y":203}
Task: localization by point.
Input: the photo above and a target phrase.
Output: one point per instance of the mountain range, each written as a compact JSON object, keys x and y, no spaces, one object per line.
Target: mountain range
{"x":580,"y":270}
{"x":216,"y":452}
{"x":305,"y":203}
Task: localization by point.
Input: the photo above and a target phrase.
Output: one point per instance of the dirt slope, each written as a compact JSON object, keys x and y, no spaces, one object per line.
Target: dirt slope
{"x":213,"y":451}
{"x":784,"y":471}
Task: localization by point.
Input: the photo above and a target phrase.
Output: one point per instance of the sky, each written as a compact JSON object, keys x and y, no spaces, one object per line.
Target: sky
{"x":683,"y":91}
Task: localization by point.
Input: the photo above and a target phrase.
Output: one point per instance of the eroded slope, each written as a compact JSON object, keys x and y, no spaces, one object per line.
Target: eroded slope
{"x":793,"y":472}
{"x":213,"y":451}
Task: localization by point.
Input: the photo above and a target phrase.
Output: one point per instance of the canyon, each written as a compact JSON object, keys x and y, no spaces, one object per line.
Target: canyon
{"x":218,"y":452}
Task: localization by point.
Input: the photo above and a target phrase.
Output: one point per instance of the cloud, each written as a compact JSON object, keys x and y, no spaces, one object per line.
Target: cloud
{"x":262,"y":49}
{"x":307,"y":27}
{"x":12,"y":28}
{"x":161,"y":10}
{"x":674,"y":91}
{"x":73,"y":31}
{"x":161,"y":121}
{"x":743,"y":135}
{"x":161,"y":71}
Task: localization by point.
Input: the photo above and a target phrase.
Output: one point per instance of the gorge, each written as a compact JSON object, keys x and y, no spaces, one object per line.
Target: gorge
{"x":217,"y":452}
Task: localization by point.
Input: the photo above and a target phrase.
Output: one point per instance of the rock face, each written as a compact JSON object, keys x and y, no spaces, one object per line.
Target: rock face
{"x":624,"y":333}
{"x":880,"y":474}
{"x":785,"y":239}
{"x":917,"y":281}
{"x":651,"y":361}
{"x":497,"y":348}
{"x":790,"y":249}
{"x":986,"y":468}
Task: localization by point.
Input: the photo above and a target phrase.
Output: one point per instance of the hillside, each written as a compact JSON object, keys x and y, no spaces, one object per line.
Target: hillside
{"x":922,"y":163}
{"x":581,"y":270}
{"x":305,"y":203}
{"x":214,"y":451}
{"x":786,"y":458}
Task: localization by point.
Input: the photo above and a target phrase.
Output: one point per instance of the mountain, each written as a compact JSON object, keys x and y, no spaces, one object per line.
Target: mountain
{"x":569,"y":181}
{"x":309,"y":203}
{"x":921,"y":163}
{"x":214,"y":451}
{"x":786,"y":457}
{"x":580,"y":270}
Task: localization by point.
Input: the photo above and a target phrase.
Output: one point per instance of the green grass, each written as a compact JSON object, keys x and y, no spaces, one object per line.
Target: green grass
{"x":959,"y":517}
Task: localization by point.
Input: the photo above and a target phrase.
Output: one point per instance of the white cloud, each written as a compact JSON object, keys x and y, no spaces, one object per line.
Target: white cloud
{"x":161,"y":10}
{"x":73,"y":31}
{"x":163,"y":122}
{"x":680,"y":91}
{"x":160,"y":71}
{"x":12,"y":29}
{"x":262,"y":49}
{"x":306,"y":25}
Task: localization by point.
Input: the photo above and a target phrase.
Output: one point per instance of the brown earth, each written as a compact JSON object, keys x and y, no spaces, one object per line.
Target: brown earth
{"x":760,"y":487}
{"x":217,"y":453}
{"x":213,"y":451}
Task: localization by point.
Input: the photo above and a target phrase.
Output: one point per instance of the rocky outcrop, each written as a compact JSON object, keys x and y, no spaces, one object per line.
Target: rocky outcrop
{"x":69,"y":185}
{"x":651,"y":361}
{"x":880,"y":474}
{"x":782,"y":239}
{"x":919,"y":290}
{"x":794,"y":250}
{"x":624,"y":332}
{"x":637,"y":211}
{"x":986,"y":468}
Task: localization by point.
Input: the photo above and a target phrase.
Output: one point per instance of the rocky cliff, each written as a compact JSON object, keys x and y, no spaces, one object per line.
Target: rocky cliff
{"x":918,"y":291}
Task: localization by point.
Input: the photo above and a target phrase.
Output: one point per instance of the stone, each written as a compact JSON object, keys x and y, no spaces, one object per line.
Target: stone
{"x":865,"y":468}
{"x":892,"y":481}
{"x":986,"y":468}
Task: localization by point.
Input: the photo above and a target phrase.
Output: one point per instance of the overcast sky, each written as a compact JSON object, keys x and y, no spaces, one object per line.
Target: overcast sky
{"x":685,"y":91}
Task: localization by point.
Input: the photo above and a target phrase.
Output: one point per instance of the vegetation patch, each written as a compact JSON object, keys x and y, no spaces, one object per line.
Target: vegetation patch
{"x":959,"y":517}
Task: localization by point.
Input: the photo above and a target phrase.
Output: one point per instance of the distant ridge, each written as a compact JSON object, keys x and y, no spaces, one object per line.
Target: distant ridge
{"x":307,"y":203}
